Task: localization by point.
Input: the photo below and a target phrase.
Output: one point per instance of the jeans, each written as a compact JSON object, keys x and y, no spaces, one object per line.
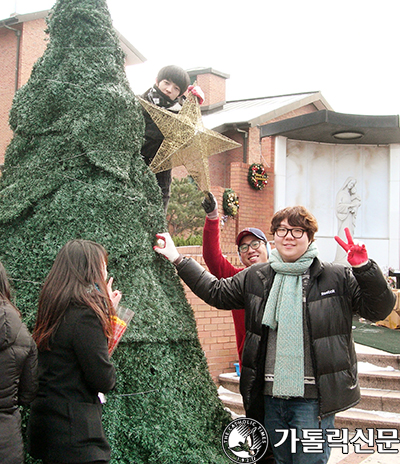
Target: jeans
{"x":298,"y":414}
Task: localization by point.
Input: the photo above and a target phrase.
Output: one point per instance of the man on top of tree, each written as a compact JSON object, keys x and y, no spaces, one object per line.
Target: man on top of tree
{"x":170,"y":85}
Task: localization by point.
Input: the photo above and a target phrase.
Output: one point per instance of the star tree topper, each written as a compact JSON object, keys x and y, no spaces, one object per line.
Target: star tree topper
{"x":186,"y":141}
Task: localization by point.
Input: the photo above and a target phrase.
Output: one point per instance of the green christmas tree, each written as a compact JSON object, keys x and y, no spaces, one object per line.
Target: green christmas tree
{"x":73,"y":170}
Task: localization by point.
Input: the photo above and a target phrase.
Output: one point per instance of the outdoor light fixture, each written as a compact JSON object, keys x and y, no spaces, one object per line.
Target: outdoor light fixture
{"x":348,"y":135}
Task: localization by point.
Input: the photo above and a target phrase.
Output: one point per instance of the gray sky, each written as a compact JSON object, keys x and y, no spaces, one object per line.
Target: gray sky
{"x":347,"y":49}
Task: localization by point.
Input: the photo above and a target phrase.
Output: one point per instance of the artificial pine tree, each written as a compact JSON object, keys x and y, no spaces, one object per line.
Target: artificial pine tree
{"x":73,"y":170}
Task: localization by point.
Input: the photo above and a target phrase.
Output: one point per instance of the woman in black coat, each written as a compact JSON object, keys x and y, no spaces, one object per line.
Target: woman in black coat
{"x":18,"y":375}
{"x":73,"y":331}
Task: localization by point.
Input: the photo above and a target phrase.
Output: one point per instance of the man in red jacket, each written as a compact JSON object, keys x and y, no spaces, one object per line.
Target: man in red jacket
{"x":253,"y":247}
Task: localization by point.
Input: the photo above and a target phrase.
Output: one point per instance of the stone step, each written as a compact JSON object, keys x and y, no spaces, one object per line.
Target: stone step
{"x":230,"y":381}
{"x":355,"y":418}
{"x":371,"y":399}
{"x":380,"y":400}
{"x":379,"y":376}
{"x":380,"y":359}
{"x":351,"y":419}
{"x":233,"y":401}
{"x":378,"y":379}
{"x":378,"y":408}
{"x":383,"y":380}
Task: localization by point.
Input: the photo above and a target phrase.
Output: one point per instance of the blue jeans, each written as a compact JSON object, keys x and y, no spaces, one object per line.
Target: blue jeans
{"x":296,"y":414}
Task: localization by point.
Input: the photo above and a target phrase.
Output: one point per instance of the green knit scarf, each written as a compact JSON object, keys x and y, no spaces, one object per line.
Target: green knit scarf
{"x":284,"y":310}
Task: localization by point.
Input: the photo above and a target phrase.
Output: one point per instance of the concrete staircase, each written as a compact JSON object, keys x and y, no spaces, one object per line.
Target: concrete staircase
{"x":379,"y":376}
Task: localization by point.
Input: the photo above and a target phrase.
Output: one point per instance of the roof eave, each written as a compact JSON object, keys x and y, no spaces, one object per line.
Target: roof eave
{"x":133,"y":56}
{"x":315,"y":98}
{"x":324,"y":126}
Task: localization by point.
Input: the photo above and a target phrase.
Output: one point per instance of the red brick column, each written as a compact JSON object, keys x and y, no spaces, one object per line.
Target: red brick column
{"x":215,"y":327}
{"x":256,"y":207}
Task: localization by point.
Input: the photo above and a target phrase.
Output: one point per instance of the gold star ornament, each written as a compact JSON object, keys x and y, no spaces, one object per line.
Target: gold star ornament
{"x":186,"y":141}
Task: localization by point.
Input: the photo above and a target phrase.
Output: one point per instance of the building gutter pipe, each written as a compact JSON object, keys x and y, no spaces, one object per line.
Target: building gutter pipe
{"x":18,"y":34}
{"x":245,"y":136}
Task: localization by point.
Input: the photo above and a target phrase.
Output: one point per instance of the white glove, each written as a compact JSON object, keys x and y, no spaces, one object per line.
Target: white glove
{"x":167,"y":248}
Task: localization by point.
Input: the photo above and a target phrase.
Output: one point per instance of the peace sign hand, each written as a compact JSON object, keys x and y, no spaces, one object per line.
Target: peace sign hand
{"x":356,"y":253}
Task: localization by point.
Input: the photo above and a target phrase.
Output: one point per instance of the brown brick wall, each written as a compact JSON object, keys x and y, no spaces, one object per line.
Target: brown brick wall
{"x":213,"y":86}
{"x":215,"y":327}
{"x":219,"y":164}
{"x":255,"y":206}
{"x":310,"y":108}
{"x":8,"y":41}
{"x":32,"y":46}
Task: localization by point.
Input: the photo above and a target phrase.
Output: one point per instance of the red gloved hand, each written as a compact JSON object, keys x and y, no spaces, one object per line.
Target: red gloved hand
{"x":356,"y":254}
{"x":197,"y":92}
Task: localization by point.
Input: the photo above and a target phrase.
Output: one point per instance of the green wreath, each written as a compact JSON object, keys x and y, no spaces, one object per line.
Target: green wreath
{"x":257,"y":177}
{"x":230,"y":202}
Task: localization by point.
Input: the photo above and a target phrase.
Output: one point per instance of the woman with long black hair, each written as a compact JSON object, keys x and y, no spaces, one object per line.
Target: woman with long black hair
{"x":73,"y":331}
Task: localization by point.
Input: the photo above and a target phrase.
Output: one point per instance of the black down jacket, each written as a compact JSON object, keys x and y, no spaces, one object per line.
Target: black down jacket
{"x":334,"y":294}
{"x":153,"y":136}
{"x":18,"y":381}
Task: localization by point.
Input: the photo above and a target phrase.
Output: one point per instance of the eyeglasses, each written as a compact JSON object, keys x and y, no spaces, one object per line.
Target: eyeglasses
{"x":283,"y":231}
{"x":254,"y":245}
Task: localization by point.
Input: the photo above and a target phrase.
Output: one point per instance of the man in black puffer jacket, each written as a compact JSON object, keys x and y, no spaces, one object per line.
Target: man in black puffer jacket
{"x":299,"y":364}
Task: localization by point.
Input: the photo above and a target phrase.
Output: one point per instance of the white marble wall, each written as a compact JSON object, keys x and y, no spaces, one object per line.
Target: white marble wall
{"x":311,"y":174}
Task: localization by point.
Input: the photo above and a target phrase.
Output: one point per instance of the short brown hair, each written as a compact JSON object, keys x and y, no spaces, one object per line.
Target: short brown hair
{"x":296,"y":216}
